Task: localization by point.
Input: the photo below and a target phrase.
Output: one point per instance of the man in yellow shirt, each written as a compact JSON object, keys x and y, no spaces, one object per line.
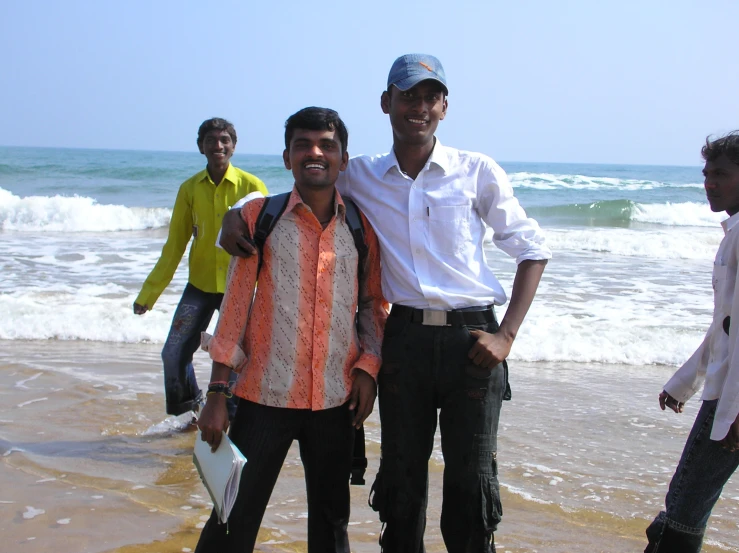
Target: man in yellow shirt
{"x":198,"y":212}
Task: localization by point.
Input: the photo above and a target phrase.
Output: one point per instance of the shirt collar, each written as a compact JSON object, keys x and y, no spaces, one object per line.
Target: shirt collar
{"x":229,"y":175}
{"x":296,"y":201}
{"x":730,"y":223}
{"x":439,"y":157}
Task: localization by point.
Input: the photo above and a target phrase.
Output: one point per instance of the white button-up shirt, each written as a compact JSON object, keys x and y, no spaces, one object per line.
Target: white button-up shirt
{"x":431,"y":229}
{"x":716,"y":361}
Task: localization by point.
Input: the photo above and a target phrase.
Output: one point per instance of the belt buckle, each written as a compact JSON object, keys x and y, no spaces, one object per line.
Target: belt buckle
{"x":434,"y":317}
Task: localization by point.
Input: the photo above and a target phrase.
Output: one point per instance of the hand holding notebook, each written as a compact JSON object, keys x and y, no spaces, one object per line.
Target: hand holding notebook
{"x":220,"y":471}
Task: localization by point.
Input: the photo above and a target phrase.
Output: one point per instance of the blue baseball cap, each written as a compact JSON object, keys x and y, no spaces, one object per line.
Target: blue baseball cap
{"x":411,"y":69}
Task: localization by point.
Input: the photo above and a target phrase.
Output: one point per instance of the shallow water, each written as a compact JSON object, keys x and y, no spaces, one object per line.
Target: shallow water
{"x":90,"y":463}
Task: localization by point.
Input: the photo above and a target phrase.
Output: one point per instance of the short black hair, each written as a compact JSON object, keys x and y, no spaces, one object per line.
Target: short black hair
{"x":317,"y":119}
{"x":727,"y":145}
{"x":216,"y":124}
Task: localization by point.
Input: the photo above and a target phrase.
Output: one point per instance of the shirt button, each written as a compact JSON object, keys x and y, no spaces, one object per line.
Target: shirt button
{"x":418,"y":250}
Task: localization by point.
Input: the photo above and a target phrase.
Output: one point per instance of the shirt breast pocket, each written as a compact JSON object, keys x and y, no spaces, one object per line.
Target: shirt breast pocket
{"x":449,"y":227}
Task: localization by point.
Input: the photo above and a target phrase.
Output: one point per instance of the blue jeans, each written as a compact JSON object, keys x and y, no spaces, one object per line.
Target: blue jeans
{"x":191,"y":318}
{"x":425,"y":369}
{"x":704,"y":469}
{"x":264,"y":435}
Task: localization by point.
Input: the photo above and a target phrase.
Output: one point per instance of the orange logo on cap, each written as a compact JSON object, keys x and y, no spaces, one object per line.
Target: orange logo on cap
{"x":425,"y":66}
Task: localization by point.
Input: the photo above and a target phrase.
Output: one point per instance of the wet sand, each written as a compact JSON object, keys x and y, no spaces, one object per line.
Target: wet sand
{"x":91,"y":464}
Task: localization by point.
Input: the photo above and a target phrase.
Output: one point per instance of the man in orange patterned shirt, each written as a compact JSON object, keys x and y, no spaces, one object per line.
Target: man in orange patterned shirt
{"x":306,"y":370}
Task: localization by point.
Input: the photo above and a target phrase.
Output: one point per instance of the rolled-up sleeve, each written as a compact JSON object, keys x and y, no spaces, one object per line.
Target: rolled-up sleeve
{"x":513,"y":232}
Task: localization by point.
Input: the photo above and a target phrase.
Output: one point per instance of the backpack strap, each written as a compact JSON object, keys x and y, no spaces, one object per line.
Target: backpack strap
{"x":354,"y":220}
{"x":272,"y":210}
{"x":274,"y":207}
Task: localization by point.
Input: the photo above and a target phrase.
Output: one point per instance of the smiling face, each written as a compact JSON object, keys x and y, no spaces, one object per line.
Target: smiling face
{"x":315,"y":158}
{"x":722,"y":184}
{"x":415,"y":113}
{"x":217,"y":147}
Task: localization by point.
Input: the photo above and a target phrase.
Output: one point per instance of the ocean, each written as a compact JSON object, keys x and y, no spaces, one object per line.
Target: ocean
{"x":585,"y":456}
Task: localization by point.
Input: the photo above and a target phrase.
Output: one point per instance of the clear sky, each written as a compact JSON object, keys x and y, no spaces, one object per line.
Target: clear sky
{"x":595,"y":81}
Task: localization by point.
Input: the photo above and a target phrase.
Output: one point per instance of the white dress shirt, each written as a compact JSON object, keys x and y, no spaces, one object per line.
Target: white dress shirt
{"x":431,"y":229}
{"x":716,"y":361}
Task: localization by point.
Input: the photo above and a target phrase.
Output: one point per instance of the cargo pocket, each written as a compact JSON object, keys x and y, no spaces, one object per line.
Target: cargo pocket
{"x":492,"y":510}
{"x":378,"y":496}
{"x":487,"y":468}
{"x":389,"y":500}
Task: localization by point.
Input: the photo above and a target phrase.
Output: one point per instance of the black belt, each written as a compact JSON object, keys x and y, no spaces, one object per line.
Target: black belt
{"x":434,"y":317}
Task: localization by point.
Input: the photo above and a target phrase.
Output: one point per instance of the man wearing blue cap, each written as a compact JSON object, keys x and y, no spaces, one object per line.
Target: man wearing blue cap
{"x":443,"y":349}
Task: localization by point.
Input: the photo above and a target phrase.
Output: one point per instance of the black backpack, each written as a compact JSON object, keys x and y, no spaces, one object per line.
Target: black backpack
{"x":272,"y":210}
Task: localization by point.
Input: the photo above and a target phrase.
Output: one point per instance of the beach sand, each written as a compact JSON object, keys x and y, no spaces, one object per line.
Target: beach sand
{"x":90,"y":463}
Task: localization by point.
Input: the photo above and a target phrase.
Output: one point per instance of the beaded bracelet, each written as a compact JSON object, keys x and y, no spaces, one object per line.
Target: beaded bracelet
{"x":219,"y":388}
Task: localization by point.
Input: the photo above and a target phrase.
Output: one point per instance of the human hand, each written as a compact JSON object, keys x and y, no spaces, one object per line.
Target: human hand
{"x":139,"y":309}
{"x":490,"y":349}
{"x":666,"y":400}
{"x":235,"y":237}
{"x":362,"y":398}
{"x":213,"y":420}
{"x":731,"y":441}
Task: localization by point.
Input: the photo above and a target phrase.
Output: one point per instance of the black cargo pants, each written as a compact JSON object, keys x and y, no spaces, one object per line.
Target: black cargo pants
{"x":425,"y":369}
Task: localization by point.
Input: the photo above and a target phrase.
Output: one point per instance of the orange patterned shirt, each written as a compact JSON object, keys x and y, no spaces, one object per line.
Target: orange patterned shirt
{"x":299,"y":345}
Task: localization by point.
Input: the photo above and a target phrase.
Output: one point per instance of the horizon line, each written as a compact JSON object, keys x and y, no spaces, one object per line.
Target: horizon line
{"x":280,"y":155}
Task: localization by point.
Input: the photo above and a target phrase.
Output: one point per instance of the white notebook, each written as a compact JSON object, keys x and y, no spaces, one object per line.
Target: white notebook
{"x":220,"y":472}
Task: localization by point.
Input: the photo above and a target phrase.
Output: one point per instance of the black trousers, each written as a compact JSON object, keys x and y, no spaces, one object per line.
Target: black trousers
{"x":425,"y":369}
{"x":264,"y":435}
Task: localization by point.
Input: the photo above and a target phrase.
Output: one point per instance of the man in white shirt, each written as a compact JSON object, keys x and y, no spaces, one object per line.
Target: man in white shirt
{"x":443,"y":349}
{"x":711,"y":454}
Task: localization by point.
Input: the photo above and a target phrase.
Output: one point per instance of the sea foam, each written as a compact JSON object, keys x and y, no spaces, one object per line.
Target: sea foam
{"x":677,"y":214}
{"x":75,"y":214}
{"x":549,"y":181}
{"x":652,"y":244}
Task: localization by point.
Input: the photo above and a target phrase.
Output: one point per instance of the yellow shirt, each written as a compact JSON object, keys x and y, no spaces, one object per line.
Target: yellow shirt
{"x":198,"y":212}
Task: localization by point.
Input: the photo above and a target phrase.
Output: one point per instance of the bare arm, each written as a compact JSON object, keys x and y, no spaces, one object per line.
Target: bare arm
{"x":491,"y":349}
{"x":235,"y":235}
{"x":214,"y":418}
